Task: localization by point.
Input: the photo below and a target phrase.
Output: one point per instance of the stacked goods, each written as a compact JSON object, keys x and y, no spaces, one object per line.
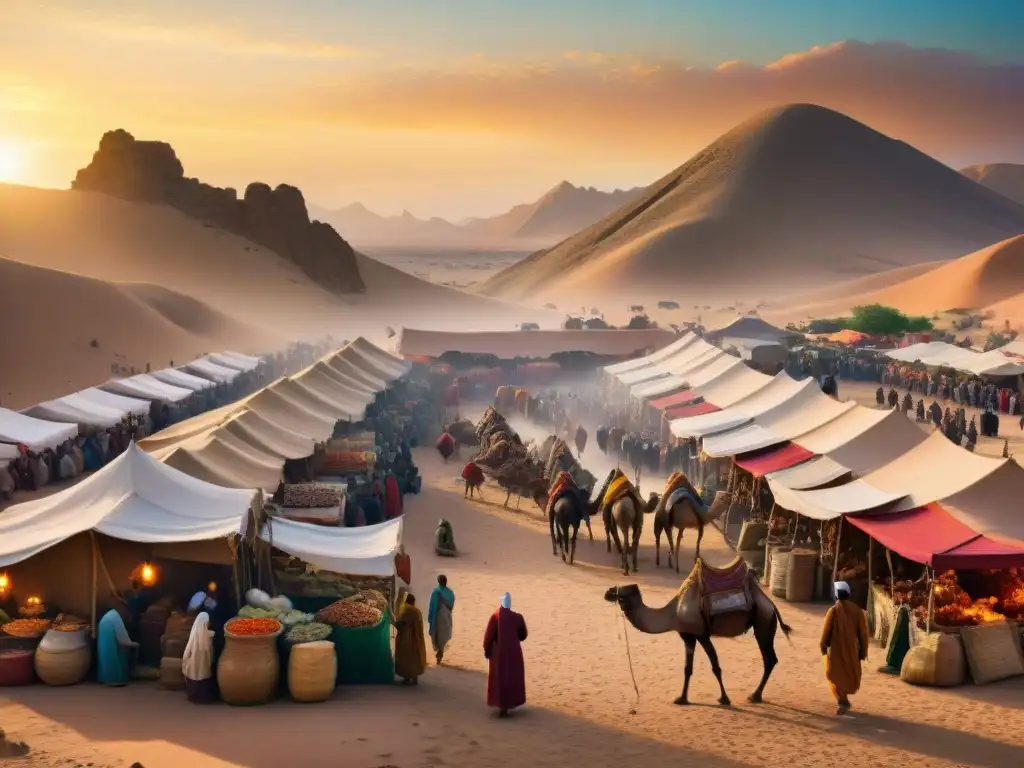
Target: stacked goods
{"x":312,"y":671}
{"x":952,"y":606}
{"x":28,"y":628}
{"x":326,"y":584}
{"x":350,"y":614}
{"x":363,"y":442}
{"x":938,"y":660}
{"x":349,"y":462}
{"x":69,"y":623}
{"x":311,"y":496}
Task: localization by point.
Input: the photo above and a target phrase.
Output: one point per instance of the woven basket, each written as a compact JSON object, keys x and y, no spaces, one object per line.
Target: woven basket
{"x":67,"y":668}
{"x":171,"y":678}
{"x":751,"y":535}
{"x":173,"y":645}
{"x":993,"y":651}
{"x":249,"y":669}
{"x":779,"y":572}
{"x":939,"y":660}
{"x":754,"y":558}
{"x":312,"y":671}
{"x":800,"y":575}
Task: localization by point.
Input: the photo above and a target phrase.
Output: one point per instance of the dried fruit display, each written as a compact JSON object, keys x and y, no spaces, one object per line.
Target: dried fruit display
{"x":26,"y":627}
{"x":311,"y":496}
{"x":252,"y":626}
{"x":951,"y":605}
{"x":370,"y":597}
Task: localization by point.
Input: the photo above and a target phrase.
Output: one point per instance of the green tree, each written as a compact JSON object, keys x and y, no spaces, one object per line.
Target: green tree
{"x":879,"y":320}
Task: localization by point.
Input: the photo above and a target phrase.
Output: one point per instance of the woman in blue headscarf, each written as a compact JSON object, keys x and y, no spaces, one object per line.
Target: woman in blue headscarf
{"x":114,"y":647}
{"x":439,"y":616}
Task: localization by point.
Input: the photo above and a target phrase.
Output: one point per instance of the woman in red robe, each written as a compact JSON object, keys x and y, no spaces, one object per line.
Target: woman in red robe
{"x":506,"y":675}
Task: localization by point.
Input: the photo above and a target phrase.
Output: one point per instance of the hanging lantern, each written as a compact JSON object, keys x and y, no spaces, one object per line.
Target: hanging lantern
{"x":6,"y":585}
{"x":146,"y":574}
{"x":33,"y":601}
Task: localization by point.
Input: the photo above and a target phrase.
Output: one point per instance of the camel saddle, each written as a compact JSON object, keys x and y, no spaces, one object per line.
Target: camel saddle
{"x":709,"y":593}
{"x":678,"y":488}
{"x":563,"y":484}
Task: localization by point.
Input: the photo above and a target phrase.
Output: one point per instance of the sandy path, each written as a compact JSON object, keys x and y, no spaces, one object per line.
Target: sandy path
{"x":578,"y":684}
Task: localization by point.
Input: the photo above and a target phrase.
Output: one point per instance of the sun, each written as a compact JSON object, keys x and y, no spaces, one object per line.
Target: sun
{"x":12,"y":161}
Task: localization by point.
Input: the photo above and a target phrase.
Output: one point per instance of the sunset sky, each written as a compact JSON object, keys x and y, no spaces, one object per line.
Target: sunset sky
{"x":456,"y":108}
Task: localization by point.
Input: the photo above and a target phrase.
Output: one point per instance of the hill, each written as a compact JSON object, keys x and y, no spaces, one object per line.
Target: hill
{"x":555,"y":215}
{"x":795,"y":198}
{"x":989,"y":279}
{"x":66,"y":331}
{"x":1005,"y":178}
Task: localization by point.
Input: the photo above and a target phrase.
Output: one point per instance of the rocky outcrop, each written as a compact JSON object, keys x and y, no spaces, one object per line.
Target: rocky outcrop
{"x":277,"y":219}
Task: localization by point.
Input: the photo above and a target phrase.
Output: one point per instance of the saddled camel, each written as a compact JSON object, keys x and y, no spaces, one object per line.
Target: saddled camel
{"x":622,"y":514}
{"x":679,"y":507}
{"x":712,"y":602}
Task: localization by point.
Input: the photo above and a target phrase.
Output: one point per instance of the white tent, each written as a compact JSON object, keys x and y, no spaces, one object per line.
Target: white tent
{"x":366,"y":551}
{"x":377,"y":360}
{"x":810,"y":474}
{"x":779,"y":390}
{"x":255,"y":361}
{"x":145,"y":387}
{"x":181,"y":379}
{"x":132,"y":405}
{"x":75,"y":409}
{"x":655,"y":357}
{"x":714,"y":360}
{"x":670,"y":365}
{"x":210,"y":370}
{"x":135,"y":498}
{"x":997,"y":362}
{"x":807,"y":409}
{"x":864,"y":439}
{"x":234,"y":363}
{"x":36,"y":434}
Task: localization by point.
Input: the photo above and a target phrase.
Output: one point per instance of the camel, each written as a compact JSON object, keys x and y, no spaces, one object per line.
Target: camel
{"x":679,"y":508}
{"x":712,"y":602}
{"x":565,"y":514}
{"x":624,"y":514}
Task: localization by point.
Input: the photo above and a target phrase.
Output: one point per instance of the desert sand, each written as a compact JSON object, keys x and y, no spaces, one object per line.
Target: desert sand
{"x":988,"y":280}
{"x":149,"y":285}
{"x":792,"y":199}
{"x":578,"y":683}
{"x":1005,"y":178}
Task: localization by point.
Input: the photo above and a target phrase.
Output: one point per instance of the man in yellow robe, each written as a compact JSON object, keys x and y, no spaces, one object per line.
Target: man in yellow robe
{"x":410,"y":646}
{"x":844,"y":645}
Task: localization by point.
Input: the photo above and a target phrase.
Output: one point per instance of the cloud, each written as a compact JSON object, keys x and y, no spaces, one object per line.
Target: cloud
{"x":944,"y":102}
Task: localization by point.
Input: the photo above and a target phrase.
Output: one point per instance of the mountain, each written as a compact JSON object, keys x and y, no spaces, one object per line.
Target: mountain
{"x":554,"y":216}
{"x":1005,"y":178}
{"x":796,"y":197}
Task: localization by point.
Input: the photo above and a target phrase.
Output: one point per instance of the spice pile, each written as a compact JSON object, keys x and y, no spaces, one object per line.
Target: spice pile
{"x":372,"y":597}
{"x":26,"y":627}
{"x":952,"y":606}
{"x":351,"y":614}
{"x":252,"y":627}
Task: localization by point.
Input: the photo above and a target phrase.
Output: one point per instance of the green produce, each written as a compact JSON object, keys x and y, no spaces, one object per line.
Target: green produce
{"x":308,"y":633}
{"x":251,"y":612}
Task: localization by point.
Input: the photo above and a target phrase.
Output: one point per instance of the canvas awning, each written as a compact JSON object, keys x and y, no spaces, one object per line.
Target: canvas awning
{"x":230,"y":361}
{"x":693,"y":409}
{"x":349,"y":370}
{"x":537,"y":344}
{"x":811,"y":474}
{"x":992,"y":506}
{"x":733,"y":385}
{"x":277,"y":407}
{"x":36,"y":434}
{"x":221,"y":458}
{"x":864,"y":439}
{"x":670,"y":365}
{"x":830,"y":503}
{"x":133,"y":405}
{"x":696,"y":367}
{"x":135,"y":498}
{"x":760,"y":463}
{"x":182,"y":379}
{"x":932,"y":536}
{"x":807,"y":409}
{"x":252,"y":359}
{"x":996,"y":362}
{"x":389,"y":365}
{"x":679,"y":398}
{"x":145,"y":387}
{"x":655,"y":357}
{"x":210,"y":370}
{"x":779,"y":390}
{"x":366,"y":551}
{"x":316,"y":403}
{"x":74,"y":409}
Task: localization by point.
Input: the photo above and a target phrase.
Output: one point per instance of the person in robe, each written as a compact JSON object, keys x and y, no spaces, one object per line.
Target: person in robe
{"x":197,"y":661}
{"x":506,"y":674}
{"x":920,"y":411}
{"x":410,"y":646}
{"x":113,"y":650}
{"x":439,"y":617}
{"x":880,"y":397}
{"x":844,"y":645}
{"x":444,"y":540}
{"x":392,"y":497}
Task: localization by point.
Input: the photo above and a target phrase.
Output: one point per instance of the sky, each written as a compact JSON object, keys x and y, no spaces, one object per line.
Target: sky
{"x":461,"y":108}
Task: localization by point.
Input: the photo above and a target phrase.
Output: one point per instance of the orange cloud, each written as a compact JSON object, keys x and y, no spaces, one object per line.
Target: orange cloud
{"x":945,"y":102}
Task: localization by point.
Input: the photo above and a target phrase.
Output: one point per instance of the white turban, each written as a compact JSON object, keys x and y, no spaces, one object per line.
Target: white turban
{"x":506,"y":601}
{"x":840,"y":586}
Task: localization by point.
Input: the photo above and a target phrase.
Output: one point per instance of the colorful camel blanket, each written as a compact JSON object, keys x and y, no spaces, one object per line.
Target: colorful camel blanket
{"x":678,"y":488}
{"x":563,"y":483}
{"x":722,"y":590}
{"x":619,"y":488}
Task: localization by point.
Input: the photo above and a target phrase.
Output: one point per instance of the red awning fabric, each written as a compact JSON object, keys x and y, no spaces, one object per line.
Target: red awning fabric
{"x":932,"y":536}
{"x":686,"y":411}
{"x":679,"y":398}
{"x":760,"y":463}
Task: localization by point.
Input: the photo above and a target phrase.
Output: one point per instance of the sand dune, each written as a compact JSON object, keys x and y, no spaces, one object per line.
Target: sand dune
{"x":991,"y":277}
{"x":1005,"y":178}
{"x":65,"y":331}
{"x":165,"y":286}
{"x":792,"y":199}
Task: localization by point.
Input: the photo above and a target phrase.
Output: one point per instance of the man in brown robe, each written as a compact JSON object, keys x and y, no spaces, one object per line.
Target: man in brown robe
{"x":844,"y":645}
{"x":410,"y":645}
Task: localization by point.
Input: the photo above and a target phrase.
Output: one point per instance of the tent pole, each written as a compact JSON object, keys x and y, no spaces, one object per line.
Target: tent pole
{"x":839,"y":541}
{"x":931,"y":601}
{"x":892,"y":576}
{"x":95,"y":579}
{"x":767,"y":546}
{"x":871,"y":573}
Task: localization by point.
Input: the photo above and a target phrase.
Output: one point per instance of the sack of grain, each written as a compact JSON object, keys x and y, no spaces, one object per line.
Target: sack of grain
{"x":993,"y":651}
{"x":939,"y":660}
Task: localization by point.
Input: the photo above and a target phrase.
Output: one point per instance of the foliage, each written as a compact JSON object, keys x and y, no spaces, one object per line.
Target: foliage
{"x":638,"y":322}
{"x":573,"y":324}
{"x":995,"y":341}
{"x":596,"y":324}
{"x":826,"y":325}
{"x":873,"y":319}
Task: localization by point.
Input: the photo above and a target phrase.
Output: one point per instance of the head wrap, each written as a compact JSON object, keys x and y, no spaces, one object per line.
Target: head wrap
{"x":197,"y":661}
{"x":840,"y":586}
{"x":196,"y":602}
{"x":506,"y":601}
